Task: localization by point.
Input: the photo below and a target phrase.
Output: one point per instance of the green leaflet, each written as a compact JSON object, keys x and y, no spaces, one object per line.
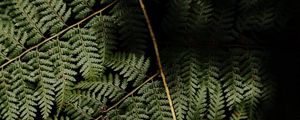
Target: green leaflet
{"x":85,"y":48}
{"x":157,"y":106}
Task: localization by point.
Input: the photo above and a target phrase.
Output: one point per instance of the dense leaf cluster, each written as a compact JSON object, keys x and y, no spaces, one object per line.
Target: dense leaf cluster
{"x":64,"y":59}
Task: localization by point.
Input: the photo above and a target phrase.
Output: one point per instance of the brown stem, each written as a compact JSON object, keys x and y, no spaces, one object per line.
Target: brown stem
{"x":158,"y":59}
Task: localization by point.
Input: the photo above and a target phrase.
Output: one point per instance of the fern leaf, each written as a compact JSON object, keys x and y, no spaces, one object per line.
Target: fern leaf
{"x":79,"y":108}
{"x":82,"y":8}
{"x":211,"y":72}
{"x":109,"y":87}
{"x":12,"y":42}
{"x":157,"y":107}
{"x":104,"y":30}
{"x":24,"y":91}
{"x":88,"y":59}
{"x":54,"y":12}
{"x":233,"y":82}
{"x":198,"y":107}
{"x":223,"y":25}
{"x":176,"y":20}
{"x":184,"y":83}
{"x":27,"y":20}
{"x":60,"y":54}
{"x":9,"y":102}
{"x":180,"y":98}
{"x":43,"y":74}
{"x":253,"y":84}
{"x":116,"y":115}
{"x":202,"y":12}
{"x":135,"y":108}
{"x":130,"y":66}
{"x":190,"y":72}
{"x":132,"y":28}
{"x":239,"y":113}
{"x":216,"y":107}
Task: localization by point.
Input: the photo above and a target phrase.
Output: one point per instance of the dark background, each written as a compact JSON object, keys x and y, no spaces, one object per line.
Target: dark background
{"x":286,"y":68}
{"x":285,"y":61}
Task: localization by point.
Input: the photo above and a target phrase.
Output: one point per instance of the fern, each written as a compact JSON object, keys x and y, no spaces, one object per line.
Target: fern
{"x":12,"y":43}
{"x":216,"y":111}
{"x":9,"y":102}
{"x":198,"y":108}
{"x":55,"y":14}
{"x":24,"y":90}
{"x":176,"y":20}
{"x":131,"y":27}
{"x":110,"y":87}
{"x":233,"y":81}
{"x":135,"y":108}
{"x":239,"y":113}
{"x":44,"y":76}
{"x":82,"y":8}
{"x":27,"y":18}
{"x":253,"y":83}
{"x":130,"y":66}
{"x":64,"y":68}
{"x":88,"y":59}
{"x":85,"y":48}
{"x":157,"y":106}
{"x":185,"y":83}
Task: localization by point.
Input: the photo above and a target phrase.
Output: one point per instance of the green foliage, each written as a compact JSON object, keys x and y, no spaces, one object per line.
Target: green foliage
{"x":130,"y":67}
{"x":59,"y":64}
{"x":82,"y":8}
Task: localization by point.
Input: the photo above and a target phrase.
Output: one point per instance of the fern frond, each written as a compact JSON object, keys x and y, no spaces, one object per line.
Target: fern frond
{"x":82,"y":8}
{"x":184,"y":82}
{"x":104,"y":29}
{"x":88,"y":59}
{"x":109,"y":87}
{"x":246,"y":5}
{"x":55,"y":13}
{"x":253,"y":85}
{"x":180,"y":98}
{"x":224,"y":25}
{"x":233,"y":82}
{"x":211,"y":79}
{"x":239,"y":113}
{"x":79,"y":107}
{"x":116,"y":115}
{"x":201,"y":12}
{"x":8,"y":102}
{"x":211,"y":72}
{"x":132,"y":28}
{"x":197,"y":108}
{"x":24,"y":90}
{"x":44,"y":76}
{"x":259,"y":17}
{"x":176,"y":21}
{"x":216,"y":104}
{"x":64,"y":68}
{"x":135,"y":108}
{"x":12,"y":42}
{"x":130,"y":66}
{"x":28,"y":20}
{"x":157,"y":107}
{"x":190,"y":72}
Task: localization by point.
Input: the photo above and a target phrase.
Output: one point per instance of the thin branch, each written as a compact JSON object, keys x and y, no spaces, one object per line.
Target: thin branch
{"x":129,"y":94}
{"x":158,"y":59}
{"x":56,"y":35}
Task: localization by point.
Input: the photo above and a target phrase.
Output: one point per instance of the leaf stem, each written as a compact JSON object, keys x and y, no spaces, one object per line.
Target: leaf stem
{"x":129,"y":94}
{"x":158,"y":59}
{"x":56,"y":35}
